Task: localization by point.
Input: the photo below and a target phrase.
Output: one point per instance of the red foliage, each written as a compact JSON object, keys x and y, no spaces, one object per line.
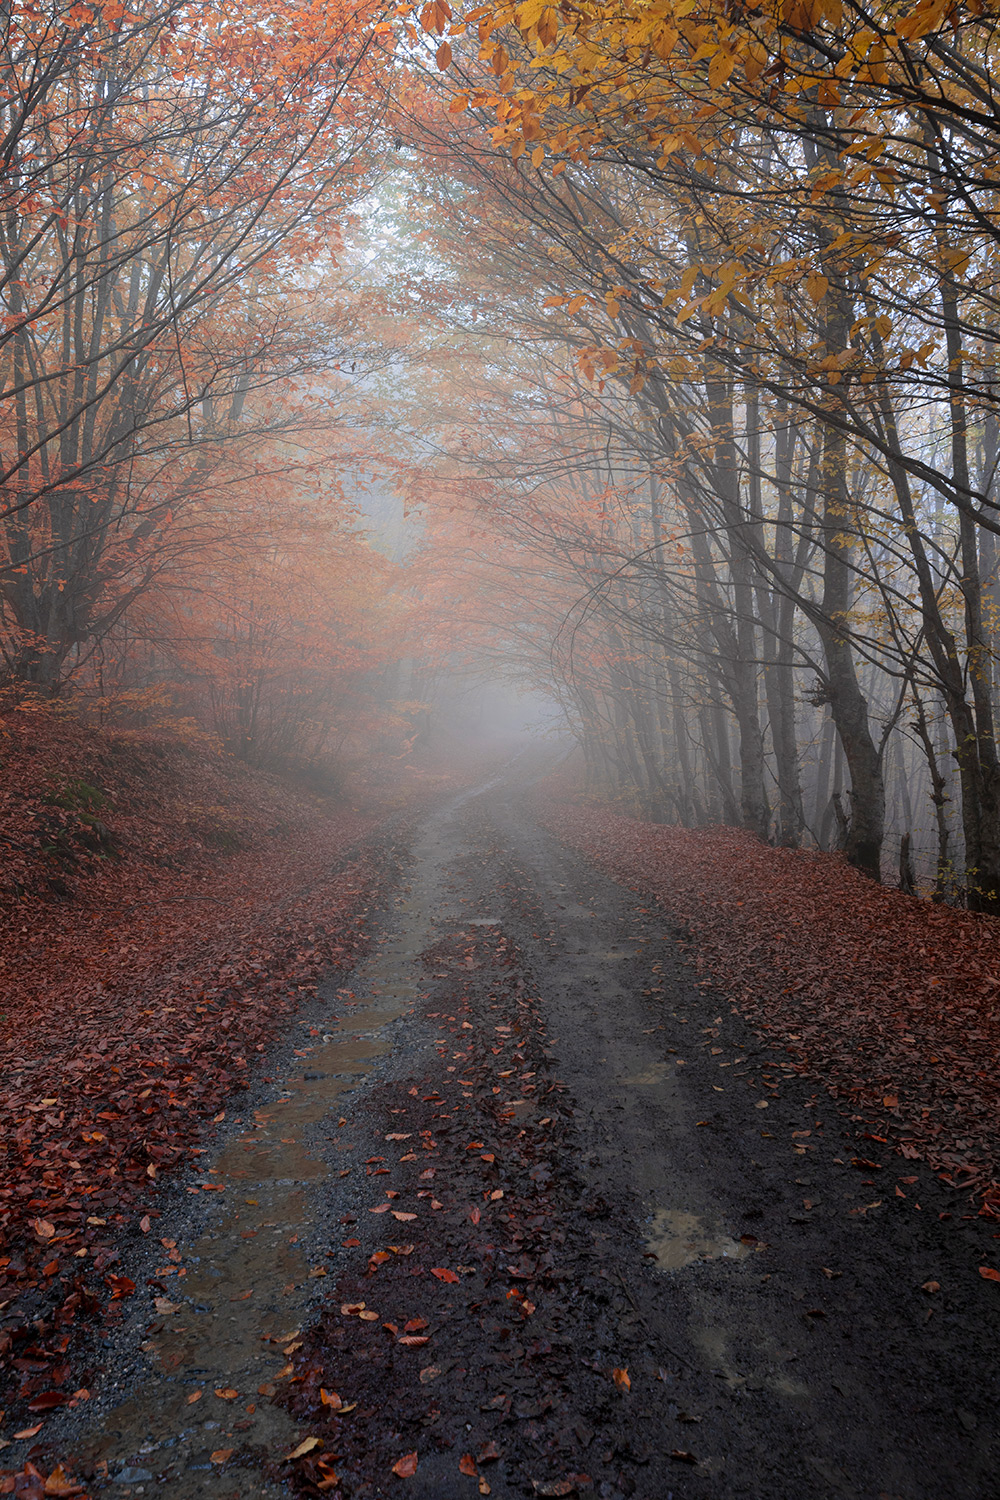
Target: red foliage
{"x":200,"y":903}
{"x":893,"y":1002}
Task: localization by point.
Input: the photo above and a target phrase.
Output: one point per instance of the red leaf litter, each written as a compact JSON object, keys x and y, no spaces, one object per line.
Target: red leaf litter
{"x":893,"y":1002}
{"x":163,"y":909}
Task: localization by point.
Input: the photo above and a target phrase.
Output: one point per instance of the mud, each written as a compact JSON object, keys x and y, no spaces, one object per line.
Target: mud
{"x":665,"y":1200}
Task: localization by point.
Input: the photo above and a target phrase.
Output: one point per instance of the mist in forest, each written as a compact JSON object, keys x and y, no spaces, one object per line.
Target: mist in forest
{"x":361,"y":401}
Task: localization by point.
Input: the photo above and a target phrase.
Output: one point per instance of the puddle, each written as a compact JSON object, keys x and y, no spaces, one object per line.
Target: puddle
{"x":233,"y":1295}
{"x":714,"y":1343}
{"x":655,"y":1073}
{"x":679,"y":1239}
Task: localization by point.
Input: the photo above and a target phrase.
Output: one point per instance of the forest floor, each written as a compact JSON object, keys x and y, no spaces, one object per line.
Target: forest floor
{"x":537,"y":1200}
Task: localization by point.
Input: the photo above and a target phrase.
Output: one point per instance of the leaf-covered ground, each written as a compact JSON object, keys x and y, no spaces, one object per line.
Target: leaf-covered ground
{"x":162,"y":911}
{"x":892,"y":1001}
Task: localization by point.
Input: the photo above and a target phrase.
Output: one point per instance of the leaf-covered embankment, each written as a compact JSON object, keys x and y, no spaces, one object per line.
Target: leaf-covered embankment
{"x":893,"y":1002}
{"x":163,"y":909}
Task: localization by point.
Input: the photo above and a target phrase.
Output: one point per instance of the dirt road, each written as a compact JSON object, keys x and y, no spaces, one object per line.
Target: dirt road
{"x":524,"y":1209}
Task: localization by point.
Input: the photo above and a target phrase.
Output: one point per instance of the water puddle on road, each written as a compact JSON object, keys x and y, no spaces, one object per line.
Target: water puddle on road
{"x":679,"y":1239}
{"x":240,"y":1285}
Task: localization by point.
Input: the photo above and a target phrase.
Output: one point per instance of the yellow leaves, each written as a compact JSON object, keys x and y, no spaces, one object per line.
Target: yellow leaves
{"x":435,"y":16}
{"x":688,"y":280}
{"x":720,"y":67}
{"x":755,"y":60}
{"x":613,"y":298}
{"x":547,"y":29}
{"x":537,"y":156}
{"x":460,"y":102}
{"x":816,"y":287}
{"x":923,"y":19}
{"x":306,"y":1446}
{"x":955,"y":261}
{"x":664,"y":42}
{"x":575,"y":303}
{"x":528,"y":15}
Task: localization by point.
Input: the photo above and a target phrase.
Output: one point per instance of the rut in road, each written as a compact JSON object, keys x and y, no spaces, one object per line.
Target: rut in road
{"x":587,"y":1254}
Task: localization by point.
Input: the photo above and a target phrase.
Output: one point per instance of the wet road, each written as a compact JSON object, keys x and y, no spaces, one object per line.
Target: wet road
{"x":767,"y":1300}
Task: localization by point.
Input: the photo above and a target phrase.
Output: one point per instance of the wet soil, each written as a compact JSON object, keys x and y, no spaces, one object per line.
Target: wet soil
{"x":530,"y":1211}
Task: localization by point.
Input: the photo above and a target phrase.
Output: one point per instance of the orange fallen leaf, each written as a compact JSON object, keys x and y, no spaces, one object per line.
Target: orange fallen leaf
{"x":222,"y":1454}
{"x":467,"y":1465}
{"x":621,"y":1379}
{"x":59,"y":1483}
{"x":443,"y":1274}
{"x":988,"y":1273}
{"x":406,"y":1466}
{"x":398,"y":1214}
{"x":43,"y":1228}
{"x":27,"y":1432}
{"x":413,"y":1341}
{"x":164,"y":1305}
{"x":194,"y":1396}
{"x":226,"y":1393}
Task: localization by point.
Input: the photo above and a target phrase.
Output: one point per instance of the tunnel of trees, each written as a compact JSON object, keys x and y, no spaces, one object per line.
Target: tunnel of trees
{"x":672,"y":326}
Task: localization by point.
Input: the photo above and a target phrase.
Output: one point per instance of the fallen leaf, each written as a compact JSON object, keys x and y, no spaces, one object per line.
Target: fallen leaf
{"x":306,"y":1446}
{"x":621,"y":1379}
{"x":442,"y":1274}
{"x":48,"y":1401}
{"x":226,"y":1393}
{"x":194,"y":1396}
{"x":467,"y":1465}
{"x":933,"y":1286}
{"x":554,"y":1486}
{"x":27,"y":1432}
{"x":222,"y":1454}
{"x":164,"y":1305}
{"x":988,"y":1273}
{"x":59,"y":1483}
{"x":406,"y":1466}
{"x":682,"y":1456}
